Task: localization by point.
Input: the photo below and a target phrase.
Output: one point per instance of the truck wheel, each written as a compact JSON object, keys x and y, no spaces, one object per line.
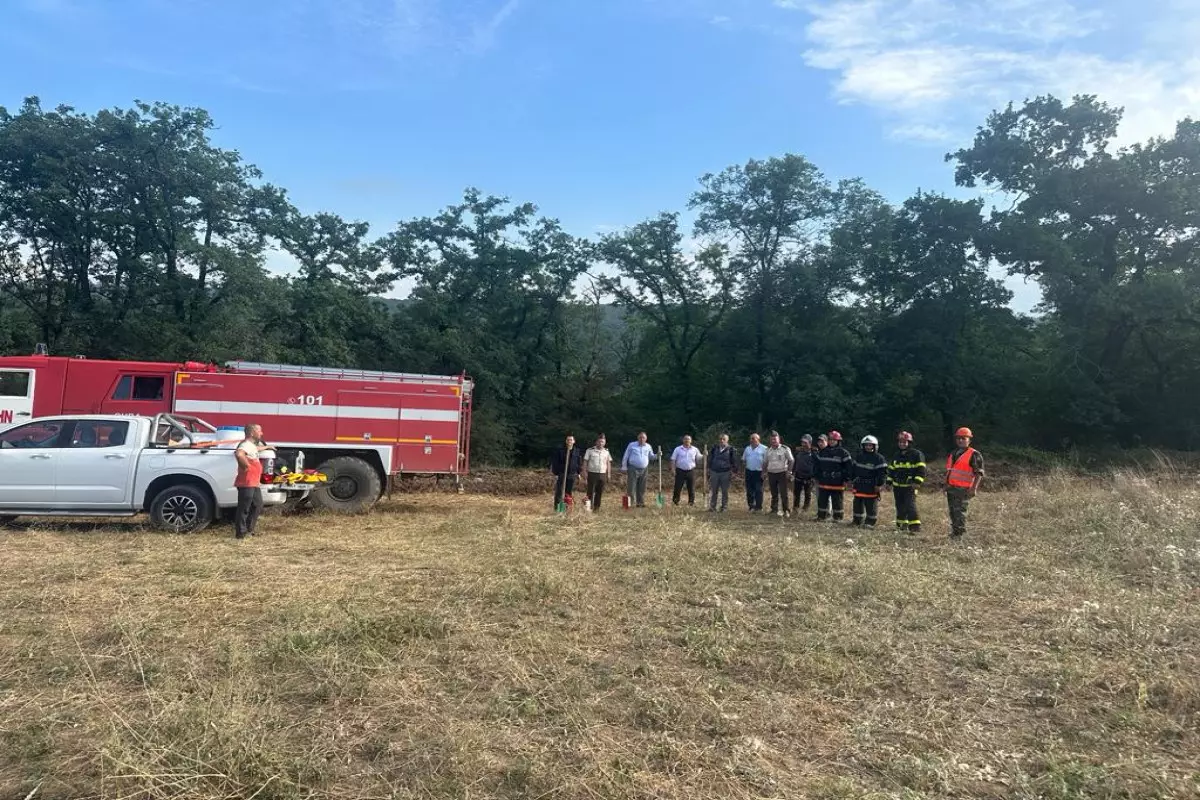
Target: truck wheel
{"x":181,"y":509}
{"x":353,"y":486}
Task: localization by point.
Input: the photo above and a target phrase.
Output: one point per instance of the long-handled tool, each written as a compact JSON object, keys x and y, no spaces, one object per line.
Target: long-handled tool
{"x":660,"y":501}
{"x":561,"y":506}
{"x":626,"y":500}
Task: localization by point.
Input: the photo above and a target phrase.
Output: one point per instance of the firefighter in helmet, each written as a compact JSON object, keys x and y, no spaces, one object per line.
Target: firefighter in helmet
{"x":964,"y":473}
{"x":869,"y":475}
{"x":833,"y":472}
{"x":906,"y":473}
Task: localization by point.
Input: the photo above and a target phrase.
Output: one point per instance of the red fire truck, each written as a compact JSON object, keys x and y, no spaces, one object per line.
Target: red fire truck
{"x":363,"y":429}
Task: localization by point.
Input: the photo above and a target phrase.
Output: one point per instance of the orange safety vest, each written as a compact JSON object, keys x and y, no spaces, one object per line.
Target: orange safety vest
{"x":959,"y":473}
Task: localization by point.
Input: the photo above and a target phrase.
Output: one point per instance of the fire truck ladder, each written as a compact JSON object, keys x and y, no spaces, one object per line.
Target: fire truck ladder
{"x":295,"y":371}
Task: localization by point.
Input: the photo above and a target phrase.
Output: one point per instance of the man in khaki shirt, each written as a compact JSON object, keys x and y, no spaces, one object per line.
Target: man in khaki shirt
{"x":778,"y":464}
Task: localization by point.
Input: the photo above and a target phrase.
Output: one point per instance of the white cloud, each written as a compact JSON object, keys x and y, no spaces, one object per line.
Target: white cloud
{"x":936,"y":67}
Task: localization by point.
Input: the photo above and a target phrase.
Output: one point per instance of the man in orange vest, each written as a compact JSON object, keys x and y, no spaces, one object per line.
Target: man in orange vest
{"x":964,"y":473}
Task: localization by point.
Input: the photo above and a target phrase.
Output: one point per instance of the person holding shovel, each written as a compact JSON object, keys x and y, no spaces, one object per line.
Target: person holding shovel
{"x":565,"y":466}
{"x":635,"y":464}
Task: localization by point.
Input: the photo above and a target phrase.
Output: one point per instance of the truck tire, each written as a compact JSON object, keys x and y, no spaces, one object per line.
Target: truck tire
{"x":182,"y":508}
{"x":353,"y":486}
{"x":7,"y":519}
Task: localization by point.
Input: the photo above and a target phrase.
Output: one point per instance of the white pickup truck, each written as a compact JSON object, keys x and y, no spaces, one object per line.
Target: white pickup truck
{"x":119,"y":466}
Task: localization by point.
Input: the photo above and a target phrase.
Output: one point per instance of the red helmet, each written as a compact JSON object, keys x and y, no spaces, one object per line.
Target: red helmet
{"x":904,"y":436}
{"x":834,"y":436}
{"x":963,"y":432}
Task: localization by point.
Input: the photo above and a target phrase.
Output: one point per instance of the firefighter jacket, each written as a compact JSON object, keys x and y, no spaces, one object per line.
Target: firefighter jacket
{"x":573,"y":462}
{"x":833,"y":467}
{"x":907,"y":468}
{"x":870,"y":473}
{"x":806,"y":464}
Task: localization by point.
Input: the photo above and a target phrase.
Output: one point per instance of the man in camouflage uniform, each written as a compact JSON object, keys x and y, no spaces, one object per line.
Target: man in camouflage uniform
{"x":964,"y":473}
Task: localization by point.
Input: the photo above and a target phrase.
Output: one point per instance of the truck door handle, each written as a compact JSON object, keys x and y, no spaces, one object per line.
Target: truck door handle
{"x":41,"y":455}
{"x":114,"y":456}
{"x":22,"y":413}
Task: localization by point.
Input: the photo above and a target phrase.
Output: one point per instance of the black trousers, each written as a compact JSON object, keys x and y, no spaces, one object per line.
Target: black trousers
{"x":249,"y":506}
{"x":558,"y":488}
{"x":754,"y":489}
{"x":866,"y":510}
{"x":779,"y":489}
{"x":685,"y":477}
{"x":595,"y":488}
{"x":803,"y":487}
{"x":907,"y":517}
{"x":830,"y":498}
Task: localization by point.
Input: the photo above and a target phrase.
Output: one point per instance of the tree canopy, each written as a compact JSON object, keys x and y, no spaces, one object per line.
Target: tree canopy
{"x":790,"y":302}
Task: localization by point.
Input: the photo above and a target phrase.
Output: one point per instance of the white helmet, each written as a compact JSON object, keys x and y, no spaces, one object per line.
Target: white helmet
{"x":870,"y":440}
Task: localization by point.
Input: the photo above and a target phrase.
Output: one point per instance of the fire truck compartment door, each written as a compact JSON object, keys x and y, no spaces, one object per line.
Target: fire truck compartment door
{"x":16,"y":395}
{"x":368,"y":417}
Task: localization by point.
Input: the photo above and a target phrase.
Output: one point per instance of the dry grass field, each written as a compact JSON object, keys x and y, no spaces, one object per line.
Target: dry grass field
{"x":474,"y":646}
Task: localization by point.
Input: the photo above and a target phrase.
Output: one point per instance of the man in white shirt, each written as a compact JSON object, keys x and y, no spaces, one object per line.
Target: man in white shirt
{"x":597,"y":463}
{"x":635,"y":463}
{"x":684,"y":460}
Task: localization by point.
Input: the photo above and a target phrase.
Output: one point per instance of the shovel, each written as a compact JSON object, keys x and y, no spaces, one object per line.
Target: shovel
{"x":659,"y":500}
{"x":561,"y":508}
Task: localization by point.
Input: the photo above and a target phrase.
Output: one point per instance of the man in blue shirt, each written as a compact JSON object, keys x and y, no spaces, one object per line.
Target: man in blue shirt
{"x":635,"y":464}
{"x":752,"y":459}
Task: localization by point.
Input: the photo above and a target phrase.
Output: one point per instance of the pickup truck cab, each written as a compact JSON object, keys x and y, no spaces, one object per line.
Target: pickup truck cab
{"x":119,"y":466}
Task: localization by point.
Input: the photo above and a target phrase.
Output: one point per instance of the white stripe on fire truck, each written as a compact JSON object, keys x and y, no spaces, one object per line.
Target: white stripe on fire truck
{"x":296,"y":410}
{"x":428,"y":415}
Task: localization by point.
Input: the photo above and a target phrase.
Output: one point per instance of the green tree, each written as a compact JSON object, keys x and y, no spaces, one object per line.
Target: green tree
{"x":492,"y":283}
{"x":1111,"y":237}
{"x":772,"y":215}
{"x":682,"y":298}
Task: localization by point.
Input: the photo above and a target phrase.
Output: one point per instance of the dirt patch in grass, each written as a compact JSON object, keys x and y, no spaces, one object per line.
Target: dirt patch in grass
{"x":478,"y":646}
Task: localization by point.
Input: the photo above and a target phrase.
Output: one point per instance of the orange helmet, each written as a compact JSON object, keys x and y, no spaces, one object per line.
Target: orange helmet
{"x":834,"y":436}
{"x":963,"y":432}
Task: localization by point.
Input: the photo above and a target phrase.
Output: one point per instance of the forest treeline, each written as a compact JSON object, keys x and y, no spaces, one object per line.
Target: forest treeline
{"x":806,"y":304}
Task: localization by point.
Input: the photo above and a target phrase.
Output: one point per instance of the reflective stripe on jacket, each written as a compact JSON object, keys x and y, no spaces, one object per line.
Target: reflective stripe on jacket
{"x":907,"y":468}
{"x":833,"y":467}
{"x":870,"y":471}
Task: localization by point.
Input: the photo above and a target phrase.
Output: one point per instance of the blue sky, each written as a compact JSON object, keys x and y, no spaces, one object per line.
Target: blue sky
{"x":602,"y":112}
